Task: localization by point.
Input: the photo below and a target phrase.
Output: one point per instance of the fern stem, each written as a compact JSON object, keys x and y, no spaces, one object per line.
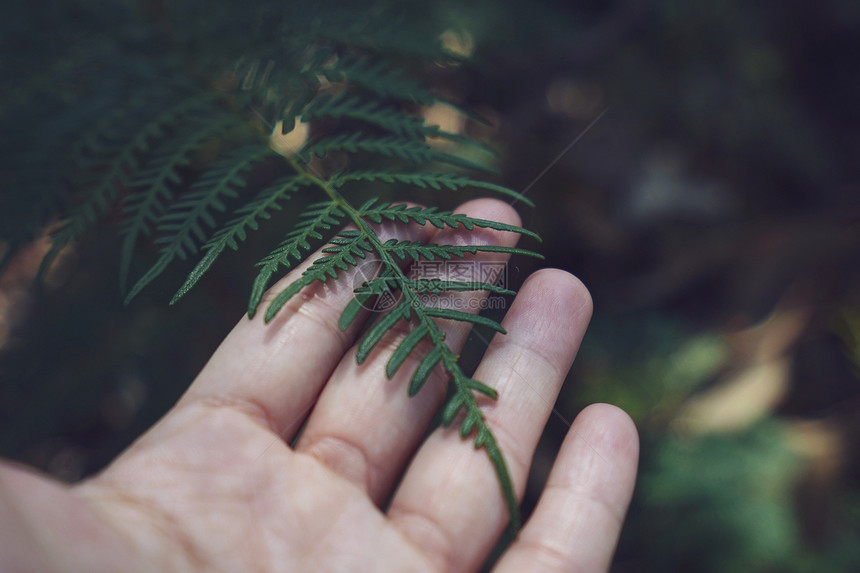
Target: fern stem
{"x":465,"y":388}
{"x":464,"y":396}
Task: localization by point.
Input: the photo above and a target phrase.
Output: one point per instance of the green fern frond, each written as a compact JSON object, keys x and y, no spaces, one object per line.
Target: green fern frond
{"x":153,"y":186}
{"x":116,"y":170}
{"x":431,"y":180}
{"x":464,"y":400}
{"x":451,"y":314}
{"x":400,"y":312}
{"x":381,"y":78}
{"x":390,"y":146}
{"x":344,"y":252}
{"x":318,"y":217}
{"x":347,"y":247}
{"x":464,"y":391}
{"x":119,"y":124}
{"x":439,"y":219}
{"x":413,"y":150}
{"x":390,"y":118}
{"x":417,"y":250}
{"x":235,"y":230}
{"x":136,"y":140}
{"x":184,"y":223}
{"x":413,"y":306}
{"x":387,"y":81}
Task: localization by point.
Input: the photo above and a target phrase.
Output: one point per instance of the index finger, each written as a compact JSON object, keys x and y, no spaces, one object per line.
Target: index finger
{"x":275,"y":371}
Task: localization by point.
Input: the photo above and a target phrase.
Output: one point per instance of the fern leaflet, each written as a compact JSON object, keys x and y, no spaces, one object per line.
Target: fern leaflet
{"x":432,"y":180}
{"x":409,"y":149}
{"x":153,"y":188}
{"x":184,"y":222}
{"x":390,"y":146}
{"x":347,"y":247}
{"x":381,"y":78}
{"x":417,"y":250}
{"x":439,"y":219}
{"x":318,"y":217}
{"x":122,"y":163}
{"x":235,"y":230}
{"x":369,"y":111}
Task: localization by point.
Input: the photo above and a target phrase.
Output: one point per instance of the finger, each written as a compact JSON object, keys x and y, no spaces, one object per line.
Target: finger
{"x":274,"y":372}
{"x":576,"y":523}
{"x":450,"y":502}
{"x":366,"y":426}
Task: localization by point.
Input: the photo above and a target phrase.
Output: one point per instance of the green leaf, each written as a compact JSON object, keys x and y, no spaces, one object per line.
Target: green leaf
{"x":347,"y":243}
{"x":353,"y":308}
{"x":464,"y":399}
{"x":404,"y":349}
{"x":234,"y":231}
{"x":482,"y":388}
{"x":390,"y":146}
{"x":114,"y":164}
{"x":318,"y":217}
{"x":371,"y":111}
{"x":378,"y":330}
{"x":380,"y":77}
{"x":417,"y":250}
{"x":152,"y":188}
{"x":486,"y":440}
{"x":451,"y":314}
{"x":425,"y":367}
{"x":453,"y":406}
{"x":432,"y":180}
{"x":184,"y":224}
{"x":442,"y":219}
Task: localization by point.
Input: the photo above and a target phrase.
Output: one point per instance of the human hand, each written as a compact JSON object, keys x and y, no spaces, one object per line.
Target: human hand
{"x":215,"y":485}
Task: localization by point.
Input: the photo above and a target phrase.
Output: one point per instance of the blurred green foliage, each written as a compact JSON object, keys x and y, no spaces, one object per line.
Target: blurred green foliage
{"x":646,"y":365}
{"x":733,"y":496}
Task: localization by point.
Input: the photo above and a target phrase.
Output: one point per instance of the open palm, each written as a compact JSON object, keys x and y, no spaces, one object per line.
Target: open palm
{"x":222,"y":483}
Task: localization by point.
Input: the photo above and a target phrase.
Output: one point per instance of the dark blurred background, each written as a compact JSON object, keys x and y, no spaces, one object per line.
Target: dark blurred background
{"x":703,"y":182}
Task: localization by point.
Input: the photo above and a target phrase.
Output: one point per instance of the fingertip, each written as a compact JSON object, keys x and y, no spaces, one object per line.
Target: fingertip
{"x":558,"y":284}
{"x":552,"y":303}
{"x":617,"y":430}
{"x":601,"y":454}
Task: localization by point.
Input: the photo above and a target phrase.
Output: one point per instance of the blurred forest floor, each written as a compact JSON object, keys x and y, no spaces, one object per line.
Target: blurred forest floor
{"x":708,"y":197}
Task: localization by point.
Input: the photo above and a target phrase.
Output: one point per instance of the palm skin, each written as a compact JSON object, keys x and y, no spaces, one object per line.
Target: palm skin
{"x":222,"y":483}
